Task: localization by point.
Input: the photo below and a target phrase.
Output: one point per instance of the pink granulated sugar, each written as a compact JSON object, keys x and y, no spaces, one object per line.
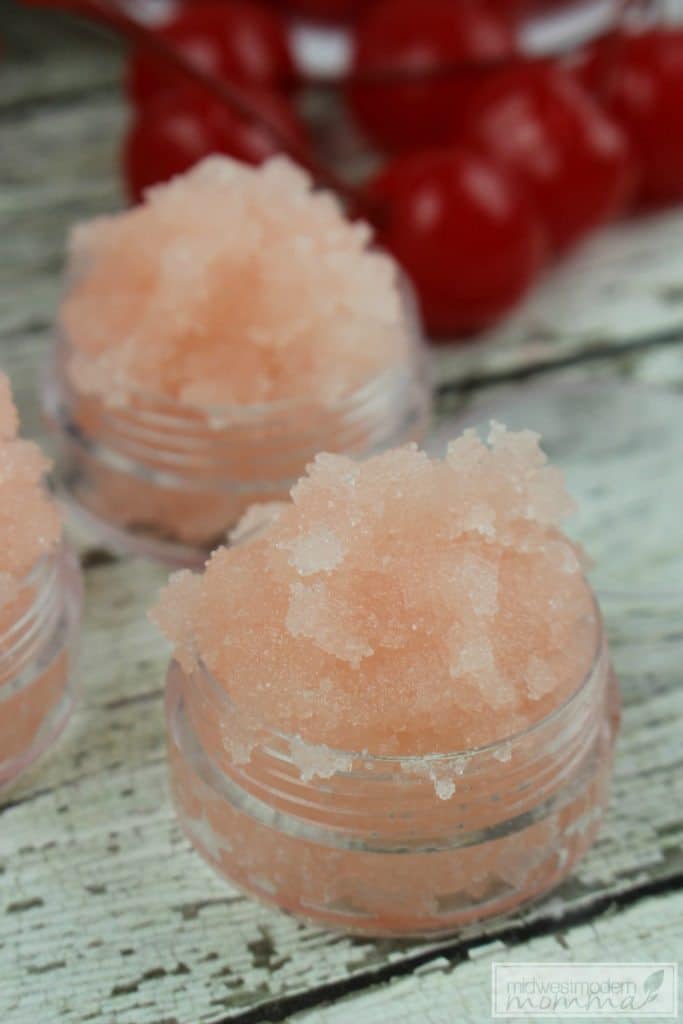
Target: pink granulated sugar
{"x":29,"y":520}
{"x":230,"y":285}
{"x":402,"y":605}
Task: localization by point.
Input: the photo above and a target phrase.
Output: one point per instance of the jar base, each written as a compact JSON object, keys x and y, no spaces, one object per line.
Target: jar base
{"x":125,"y":542}
{"x":51,"y":729}
{"x":415,"y":895}
{"x":34,"y":713}
{"x":339,"y":922}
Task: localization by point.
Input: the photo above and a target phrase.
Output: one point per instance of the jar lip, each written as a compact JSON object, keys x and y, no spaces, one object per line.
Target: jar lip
{"x":436,"y":758}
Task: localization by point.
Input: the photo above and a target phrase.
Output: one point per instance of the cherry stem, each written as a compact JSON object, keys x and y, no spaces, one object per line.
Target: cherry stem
{"x":109,"y":14}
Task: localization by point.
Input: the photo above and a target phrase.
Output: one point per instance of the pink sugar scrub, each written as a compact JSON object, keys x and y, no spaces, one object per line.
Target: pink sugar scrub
{"x":401,"y":605}
{"x":212,"y":340}
{"x":391,"y":709}
{"x":231,"y":285}
{"x":39,"y":602}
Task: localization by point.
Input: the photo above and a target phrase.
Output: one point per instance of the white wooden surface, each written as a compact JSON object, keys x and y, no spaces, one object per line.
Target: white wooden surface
{"x":444,"y":990}
{"x":106,"y":914}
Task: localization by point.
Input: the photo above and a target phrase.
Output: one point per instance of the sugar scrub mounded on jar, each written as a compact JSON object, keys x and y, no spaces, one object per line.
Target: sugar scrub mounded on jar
{"x":39,"y":601}
{"x":217,"y":336}
{"x":404,"y":659}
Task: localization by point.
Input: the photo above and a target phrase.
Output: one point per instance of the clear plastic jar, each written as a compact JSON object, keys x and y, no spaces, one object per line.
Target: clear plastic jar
{"x":389,"y":846}
{"x":38,"y":630}
{"x":168,"y":481}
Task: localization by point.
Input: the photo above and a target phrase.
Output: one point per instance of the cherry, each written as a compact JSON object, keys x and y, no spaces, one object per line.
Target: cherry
{"x":177,"y":128}
{"x":539,"y":123}
{"x":232,"y":40}
{"x":327,"y":10}
{"x":413,"y":37}
{"x":463,"y":231}
{"x":646,"y":98}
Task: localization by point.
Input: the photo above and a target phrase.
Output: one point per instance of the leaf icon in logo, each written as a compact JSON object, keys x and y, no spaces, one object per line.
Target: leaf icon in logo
{"x":652,"y":984}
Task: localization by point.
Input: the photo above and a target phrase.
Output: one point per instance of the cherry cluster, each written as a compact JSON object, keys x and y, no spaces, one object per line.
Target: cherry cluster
{"x":494,"y":165}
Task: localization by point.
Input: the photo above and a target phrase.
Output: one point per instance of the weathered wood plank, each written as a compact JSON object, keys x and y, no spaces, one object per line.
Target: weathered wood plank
{"x":445,"y":992}
{"x":49,"y":59}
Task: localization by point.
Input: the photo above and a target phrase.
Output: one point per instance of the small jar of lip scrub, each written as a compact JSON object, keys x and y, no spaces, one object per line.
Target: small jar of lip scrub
{"x":40,"y":604}
{"x":211,"y":341}
{"x":391,"y":708}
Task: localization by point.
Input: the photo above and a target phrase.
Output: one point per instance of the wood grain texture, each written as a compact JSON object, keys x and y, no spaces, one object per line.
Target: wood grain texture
{"x":106,"y":914}
{"x":444,"y":992}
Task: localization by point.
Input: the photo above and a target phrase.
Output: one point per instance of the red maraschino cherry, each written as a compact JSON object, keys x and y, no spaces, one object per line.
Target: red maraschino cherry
{"x":233,"y":40}
{"x":413,"y":38}
{"x":327,"y":10}
{"x":536,"y":121}
{"x":463,"y":231}
{"x":646,"y":98}
{"x":177,"y":128}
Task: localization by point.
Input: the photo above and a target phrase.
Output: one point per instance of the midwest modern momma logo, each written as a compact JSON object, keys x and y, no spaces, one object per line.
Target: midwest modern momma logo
{"x":584,"y":990}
